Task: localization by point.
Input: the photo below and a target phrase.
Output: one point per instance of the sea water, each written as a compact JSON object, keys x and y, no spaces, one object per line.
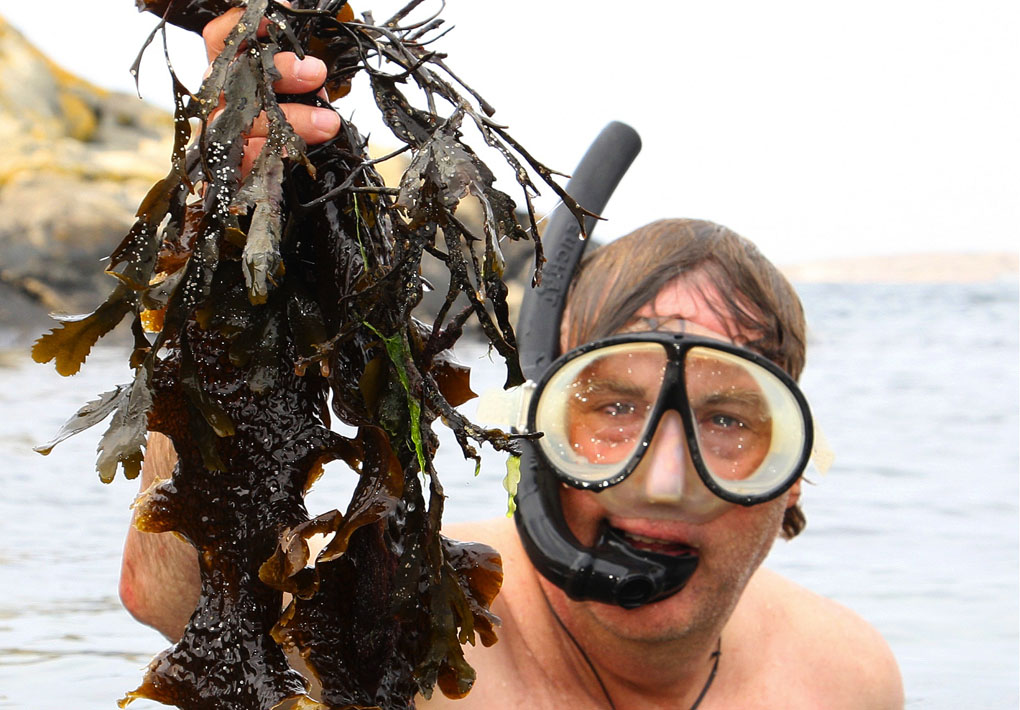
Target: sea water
{"x":915,"y":526}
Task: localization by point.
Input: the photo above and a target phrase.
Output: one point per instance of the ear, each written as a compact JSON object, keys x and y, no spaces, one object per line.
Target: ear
{"x":793,"y":495}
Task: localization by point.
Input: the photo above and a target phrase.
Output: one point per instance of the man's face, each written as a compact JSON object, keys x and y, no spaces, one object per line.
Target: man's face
{"x":664,"y":507}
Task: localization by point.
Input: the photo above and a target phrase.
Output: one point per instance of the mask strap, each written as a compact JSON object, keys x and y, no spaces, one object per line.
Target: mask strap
{"x":822,"y":455}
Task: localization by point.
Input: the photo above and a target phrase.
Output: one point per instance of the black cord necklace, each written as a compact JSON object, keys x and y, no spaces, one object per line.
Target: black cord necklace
{"x":605,"y":691}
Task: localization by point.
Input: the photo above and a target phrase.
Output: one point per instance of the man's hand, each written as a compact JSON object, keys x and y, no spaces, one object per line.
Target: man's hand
{"x":314,"y":125}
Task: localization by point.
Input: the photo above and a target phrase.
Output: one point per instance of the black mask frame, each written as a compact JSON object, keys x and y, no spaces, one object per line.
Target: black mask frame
{"x":673,"y":391}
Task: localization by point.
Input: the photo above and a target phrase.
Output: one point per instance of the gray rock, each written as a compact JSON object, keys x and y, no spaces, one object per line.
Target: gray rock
{"x":75,"y":160}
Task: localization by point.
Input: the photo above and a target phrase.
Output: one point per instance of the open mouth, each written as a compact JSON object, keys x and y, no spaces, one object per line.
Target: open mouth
{"x":653,"y":544}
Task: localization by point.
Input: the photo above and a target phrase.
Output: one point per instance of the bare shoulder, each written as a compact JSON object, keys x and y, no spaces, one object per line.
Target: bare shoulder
{"x":840,"y":654}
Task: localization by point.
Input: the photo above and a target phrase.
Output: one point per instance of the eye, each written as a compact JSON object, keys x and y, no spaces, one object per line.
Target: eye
{"x":617,"y":409}
{"x":725,"y":421}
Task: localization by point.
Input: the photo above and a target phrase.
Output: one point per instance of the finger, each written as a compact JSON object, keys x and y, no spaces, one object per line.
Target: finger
{"x":299,"y":76}
{"x":215,"y":32}
{"x":215,"y":113}
{"x":314,"y":125}
{"x":252,"y":148}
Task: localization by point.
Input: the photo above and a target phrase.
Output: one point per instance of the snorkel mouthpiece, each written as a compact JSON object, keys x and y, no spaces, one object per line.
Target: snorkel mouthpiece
{"x":611,"y":571}
{"x":647,"y":577}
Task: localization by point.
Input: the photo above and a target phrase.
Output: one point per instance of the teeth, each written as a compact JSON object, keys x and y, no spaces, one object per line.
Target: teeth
{"x":650,"y":540}
{"x":643,"y":538}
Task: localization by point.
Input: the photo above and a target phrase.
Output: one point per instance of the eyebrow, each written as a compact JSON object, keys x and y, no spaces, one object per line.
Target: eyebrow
{"x":602,"y":384}
{"x":746,"y":397}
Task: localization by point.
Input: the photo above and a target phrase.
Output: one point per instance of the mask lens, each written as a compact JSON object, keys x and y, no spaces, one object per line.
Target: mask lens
{"x":749,"y":426}
{"x":594,"y":410}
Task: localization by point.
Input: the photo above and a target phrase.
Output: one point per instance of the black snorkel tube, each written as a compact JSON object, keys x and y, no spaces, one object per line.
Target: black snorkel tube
{"x":611,"y":571}
{"x":592,"y":184}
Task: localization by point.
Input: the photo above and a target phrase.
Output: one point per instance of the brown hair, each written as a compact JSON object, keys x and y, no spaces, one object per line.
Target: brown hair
{"x":613,"y":282}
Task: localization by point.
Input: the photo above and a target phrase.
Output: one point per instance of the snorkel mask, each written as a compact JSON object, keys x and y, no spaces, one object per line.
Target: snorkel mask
{"x":746,"y":426}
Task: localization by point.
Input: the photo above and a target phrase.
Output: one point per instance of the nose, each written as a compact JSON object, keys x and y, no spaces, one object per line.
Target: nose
{"x":665,"y":466}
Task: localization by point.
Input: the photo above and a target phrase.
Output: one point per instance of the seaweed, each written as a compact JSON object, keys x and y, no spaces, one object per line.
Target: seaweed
{"x":251,"y":299}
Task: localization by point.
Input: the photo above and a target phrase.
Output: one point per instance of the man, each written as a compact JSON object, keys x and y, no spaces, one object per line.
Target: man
{"x":674,"y":440}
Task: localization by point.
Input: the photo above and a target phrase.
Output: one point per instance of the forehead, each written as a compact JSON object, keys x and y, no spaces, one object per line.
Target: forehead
{"x":696,"y":302}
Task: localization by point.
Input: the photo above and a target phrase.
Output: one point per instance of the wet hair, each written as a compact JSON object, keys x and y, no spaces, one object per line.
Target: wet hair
{"x":614,"y":281}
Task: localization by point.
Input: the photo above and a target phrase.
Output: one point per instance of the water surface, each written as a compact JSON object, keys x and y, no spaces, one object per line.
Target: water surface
{"x":915,"y":527}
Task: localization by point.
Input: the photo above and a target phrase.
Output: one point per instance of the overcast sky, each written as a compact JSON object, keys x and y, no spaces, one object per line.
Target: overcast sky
{"x":815,"y":128}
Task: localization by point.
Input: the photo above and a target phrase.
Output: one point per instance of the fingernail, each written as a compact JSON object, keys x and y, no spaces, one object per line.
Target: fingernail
{"x":309,"y":69}
{"x":326,"y":121}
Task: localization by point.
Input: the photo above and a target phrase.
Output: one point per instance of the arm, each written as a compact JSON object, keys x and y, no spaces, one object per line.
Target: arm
{"x":159,"y":582}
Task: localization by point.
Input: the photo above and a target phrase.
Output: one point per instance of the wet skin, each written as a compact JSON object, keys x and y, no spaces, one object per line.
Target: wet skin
{"x":731,"y":545}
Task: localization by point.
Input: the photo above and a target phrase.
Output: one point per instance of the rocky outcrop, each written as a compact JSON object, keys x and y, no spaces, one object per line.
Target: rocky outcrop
{"x":75,"y":160}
